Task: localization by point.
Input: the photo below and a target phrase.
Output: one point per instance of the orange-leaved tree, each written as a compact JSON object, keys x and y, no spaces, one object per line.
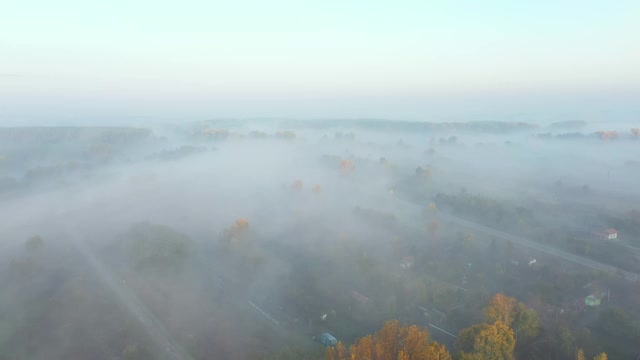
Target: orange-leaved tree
{"x":393,"y":342}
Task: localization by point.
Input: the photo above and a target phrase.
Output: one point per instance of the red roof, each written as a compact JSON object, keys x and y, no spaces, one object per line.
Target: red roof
{"x":611,"y":231}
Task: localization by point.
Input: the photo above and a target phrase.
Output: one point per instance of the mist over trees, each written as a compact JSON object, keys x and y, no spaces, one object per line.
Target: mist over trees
{"x":327,"y":239}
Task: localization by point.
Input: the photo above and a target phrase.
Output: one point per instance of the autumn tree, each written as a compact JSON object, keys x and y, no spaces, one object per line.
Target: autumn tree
{"x":509,"y":311}
{"x":487,"y":341}
{"x":580,"y":355}
{"x":387,"y":341}
{"x":432,"y":208}
{"x":601,"y":356}
{"x":394,"y":342}
{"x":339,"y":352}
{"x":237,"y":232}
{"x":501,"y":308}
{"x":607,"y":135}
{"x":437,"y":352}
{"x":297,"y":185}
{"x":285,"y":135}
{"x":363,"y":348}
{"x":347,"y":166}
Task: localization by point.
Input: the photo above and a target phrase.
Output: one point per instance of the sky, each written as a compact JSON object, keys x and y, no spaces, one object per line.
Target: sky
{"x":79,"y":60}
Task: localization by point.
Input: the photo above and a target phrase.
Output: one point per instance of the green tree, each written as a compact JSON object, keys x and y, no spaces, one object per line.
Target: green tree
{"x":525,"y":322}
{"x":34,"y":244}
{"x":152,"y":245}
{"x":565,"y":340}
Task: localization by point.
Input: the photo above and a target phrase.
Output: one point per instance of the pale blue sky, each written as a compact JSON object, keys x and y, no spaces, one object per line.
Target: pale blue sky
{"x":335,"y":58}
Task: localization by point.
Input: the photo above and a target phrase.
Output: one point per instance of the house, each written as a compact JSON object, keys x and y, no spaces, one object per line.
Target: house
{"x":611,"y":234}
{"x":359,"y":297}
{"x":607,"y":234}
{"x":592,"y":301}
{"x":328,"y":340}
{"x":407,"y":262}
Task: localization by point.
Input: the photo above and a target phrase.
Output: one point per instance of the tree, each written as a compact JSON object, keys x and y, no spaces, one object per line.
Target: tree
{"x":487,"y":341}
{"x":237,"y":232}
{"x":433,"y":208}
{"x":601,"y":356}
{"x":467,"y":239}
{"x":347,"y":166}
{"x":415,"y":342}
{"x":152,"y":245}
{"x":339,"y":352}
{"x":565,"y":340}
{"x":363,"y":348}
{"x":580,"y":355}
{"x":607,"y":135}
{"x":330,"y":354}
{"x":387,"y":341}
{"x":34,"y":244}
{"x":437,"y":352}
{"x":393,"y":342}
{"x":501,"y":308}
{"x":297,"y":185}
{"x":525,"y":321}
{"x":427,"y":173}
{"x":433,"y":228}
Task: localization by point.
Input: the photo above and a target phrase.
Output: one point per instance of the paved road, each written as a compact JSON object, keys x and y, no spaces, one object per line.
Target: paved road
{"x":406,"y":206}
{"x":540,"y":247}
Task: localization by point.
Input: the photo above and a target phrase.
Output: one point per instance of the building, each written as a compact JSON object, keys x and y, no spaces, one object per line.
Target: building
{"x":359,"y":297}
{"x":328,"y":340}
{"x":607,"y":234}
{"x":407,"y":262}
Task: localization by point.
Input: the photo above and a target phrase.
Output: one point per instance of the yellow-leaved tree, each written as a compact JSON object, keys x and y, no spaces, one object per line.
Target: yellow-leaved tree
{"x":601,"y":356}
{"x":392,"y":342}
{"x":486,"y":341}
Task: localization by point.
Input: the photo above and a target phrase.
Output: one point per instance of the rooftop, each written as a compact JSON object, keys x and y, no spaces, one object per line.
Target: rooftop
{"x":329,"y":337}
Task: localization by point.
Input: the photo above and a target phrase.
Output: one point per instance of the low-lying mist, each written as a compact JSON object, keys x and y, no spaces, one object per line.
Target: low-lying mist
{"x":250,"y":241}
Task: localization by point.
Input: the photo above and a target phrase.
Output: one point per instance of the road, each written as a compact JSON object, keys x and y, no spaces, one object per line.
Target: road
{"x":407,"y":206}
{"x":540,"y":247}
